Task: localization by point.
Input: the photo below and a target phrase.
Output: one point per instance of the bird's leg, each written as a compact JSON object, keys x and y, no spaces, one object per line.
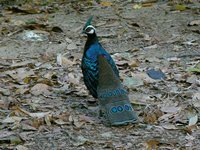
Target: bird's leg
{"x":101,"y":112}
{"x":92,"y":102}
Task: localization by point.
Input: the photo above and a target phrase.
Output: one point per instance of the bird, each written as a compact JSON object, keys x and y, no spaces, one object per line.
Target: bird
{"x":101,"y":77}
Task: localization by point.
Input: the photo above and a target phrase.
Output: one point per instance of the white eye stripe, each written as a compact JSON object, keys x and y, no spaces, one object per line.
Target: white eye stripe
{"x":90,"y":26}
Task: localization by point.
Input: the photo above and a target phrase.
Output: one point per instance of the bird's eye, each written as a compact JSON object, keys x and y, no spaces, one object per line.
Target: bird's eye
{"x":88,"y":30}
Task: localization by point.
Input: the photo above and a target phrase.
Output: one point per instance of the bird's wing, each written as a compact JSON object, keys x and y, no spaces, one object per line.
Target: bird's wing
{"x":90,"y":73}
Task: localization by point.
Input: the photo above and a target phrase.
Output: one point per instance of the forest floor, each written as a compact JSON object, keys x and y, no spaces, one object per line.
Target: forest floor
{"x":44,"y":104}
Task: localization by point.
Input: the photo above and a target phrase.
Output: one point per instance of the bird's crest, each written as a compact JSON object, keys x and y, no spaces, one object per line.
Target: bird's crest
{"x":88,"y":22}
{"x":88,"y":28}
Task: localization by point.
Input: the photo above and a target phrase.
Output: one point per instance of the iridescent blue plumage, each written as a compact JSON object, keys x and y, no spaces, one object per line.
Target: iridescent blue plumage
{"x":89,"y":64}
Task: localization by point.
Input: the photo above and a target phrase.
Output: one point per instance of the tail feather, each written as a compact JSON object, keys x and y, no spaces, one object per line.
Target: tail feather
{"x":112,"y":97}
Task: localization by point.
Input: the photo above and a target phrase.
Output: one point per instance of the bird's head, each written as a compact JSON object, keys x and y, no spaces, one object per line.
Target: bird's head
{"x":88,"y":28}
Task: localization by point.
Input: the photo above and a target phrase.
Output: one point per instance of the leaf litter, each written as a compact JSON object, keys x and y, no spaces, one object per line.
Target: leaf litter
{"x":43,"y":98}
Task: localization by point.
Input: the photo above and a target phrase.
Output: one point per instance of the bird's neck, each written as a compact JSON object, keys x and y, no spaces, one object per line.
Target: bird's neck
{"x":91,"y":39}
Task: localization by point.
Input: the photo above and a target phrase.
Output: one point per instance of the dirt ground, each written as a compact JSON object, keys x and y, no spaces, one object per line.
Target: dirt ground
{"x":44,"y":104}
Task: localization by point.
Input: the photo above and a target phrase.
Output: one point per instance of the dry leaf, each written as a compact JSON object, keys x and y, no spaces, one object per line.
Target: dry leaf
{"x":12,"y":119}
{"x":78,"y":123}
{"x":26,"y":127}
{"x":143,"y":76}
{"x":63,"y":61}
{"x":150,"y":118}
{"x":60,"y":122}
{"x":3,"y":105}
{"x":5,"y":92}
{"x":80,"y":140}
{"x":106,"y":4}
{"x":173,"y":59}
{"x":86,"y":119}
{"x":170,"y":109}
{"x":40,"y":89}
{"x":37,"y":122}
{"x":133,"y":82}
{"x":74,"y":79}
{"x":196,"y":100}
{"x":152,"y":144}
{"x":9,"y":137}
{"x":194,"y":23}
{"x":39,"y":114}
{"x":193,"y":120}
{"x":147,"y":4}
{"x":133,"y":63}
{"x":47,"y":119}
{"x":107,"y":135}
{"x":137,"y":6}
{"x":165,"y":117}
{"x":33,"y":115}
{"x":169,"y":126}
{"x":180,"y":7}
{"x":20,"y":73}
{"x":28,"y":9}
{"x":23,"y":63}
{"x":21,"y":147}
